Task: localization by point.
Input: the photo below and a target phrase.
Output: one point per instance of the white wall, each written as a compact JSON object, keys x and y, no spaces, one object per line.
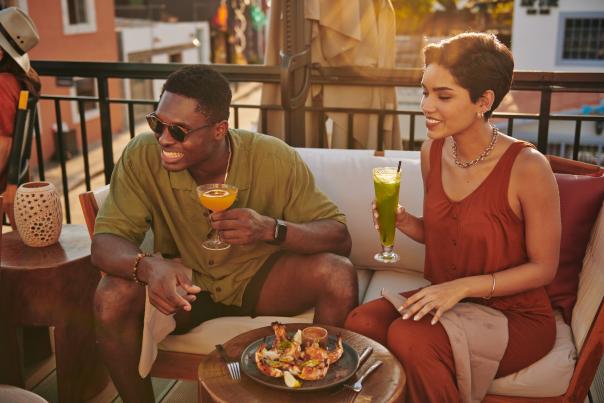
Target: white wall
{"x":160,"y":35}
{"x":144,"y":36}
{"x":535,"y":37}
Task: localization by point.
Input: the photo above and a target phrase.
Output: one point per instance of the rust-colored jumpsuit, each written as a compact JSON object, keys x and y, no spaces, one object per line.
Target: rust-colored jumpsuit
{"x":477,"y":235}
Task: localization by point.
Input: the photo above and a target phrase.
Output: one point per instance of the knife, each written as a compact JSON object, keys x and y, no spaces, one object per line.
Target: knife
{"x":363,"y":357}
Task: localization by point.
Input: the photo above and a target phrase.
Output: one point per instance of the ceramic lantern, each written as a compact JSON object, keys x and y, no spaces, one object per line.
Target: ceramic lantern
{"x":38,"y":213}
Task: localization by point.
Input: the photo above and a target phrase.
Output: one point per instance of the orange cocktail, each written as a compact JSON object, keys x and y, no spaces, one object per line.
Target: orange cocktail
{"x":216,"y":197}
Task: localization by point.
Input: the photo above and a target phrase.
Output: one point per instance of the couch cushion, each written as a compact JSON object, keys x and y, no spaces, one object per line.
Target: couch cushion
{"x":550,"y":376}
{"x":399,"y":281}
{"x":364,"y":276}
{"x":345,"y":177}
{"x":580,"y":201}
{"x":223,"y":329}
{"x":591,"y":284}
{"x":203,"y":338}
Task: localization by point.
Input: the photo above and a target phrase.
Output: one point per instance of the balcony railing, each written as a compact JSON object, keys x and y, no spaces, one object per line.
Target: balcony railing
{"x":545,"y":83}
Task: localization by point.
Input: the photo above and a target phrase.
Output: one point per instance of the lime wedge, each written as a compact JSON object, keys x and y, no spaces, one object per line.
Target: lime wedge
{"x":297,"y":337}
{"x":291,"y":380}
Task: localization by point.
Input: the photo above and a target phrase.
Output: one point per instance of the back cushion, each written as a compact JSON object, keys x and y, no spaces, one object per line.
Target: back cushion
{"x":580,"y":201}
{"x":345,"y":177}
{"x":591,"y":284}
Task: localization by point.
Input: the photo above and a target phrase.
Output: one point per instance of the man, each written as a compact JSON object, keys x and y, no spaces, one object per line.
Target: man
{"x":288,"y":241}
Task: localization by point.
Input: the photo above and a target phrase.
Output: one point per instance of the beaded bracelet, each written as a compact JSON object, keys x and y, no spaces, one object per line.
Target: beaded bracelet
{"x":139,"y":257}
{"x":492,"y":288}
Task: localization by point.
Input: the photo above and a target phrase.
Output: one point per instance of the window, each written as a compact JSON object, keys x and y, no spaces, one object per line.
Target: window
{"x":582,"y":39}
{"x":77,"y":12}
{"x":78,"y":16}
{"x":176,"y":58}
{"x":85,"y":87}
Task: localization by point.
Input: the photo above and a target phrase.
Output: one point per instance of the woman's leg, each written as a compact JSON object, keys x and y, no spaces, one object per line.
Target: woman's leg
{"x":426,"y":355}
{"x":372,"y":319}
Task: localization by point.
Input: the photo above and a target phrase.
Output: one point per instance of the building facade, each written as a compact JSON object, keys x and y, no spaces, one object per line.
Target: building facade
{"x":73,"y":30}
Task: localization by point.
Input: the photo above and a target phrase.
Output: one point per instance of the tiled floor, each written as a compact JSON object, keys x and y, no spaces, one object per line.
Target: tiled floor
{"x":42,"y":380}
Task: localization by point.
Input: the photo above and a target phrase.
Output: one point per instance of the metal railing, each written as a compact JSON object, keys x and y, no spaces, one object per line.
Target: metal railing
{"x":546,"y":83}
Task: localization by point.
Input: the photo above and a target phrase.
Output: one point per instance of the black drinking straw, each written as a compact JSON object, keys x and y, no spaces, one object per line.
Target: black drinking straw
{"x":399,"y":167}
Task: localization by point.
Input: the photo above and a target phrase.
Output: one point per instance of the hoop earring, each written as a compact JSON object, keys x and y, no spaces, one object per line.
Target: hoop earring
{"x":480,"y":115}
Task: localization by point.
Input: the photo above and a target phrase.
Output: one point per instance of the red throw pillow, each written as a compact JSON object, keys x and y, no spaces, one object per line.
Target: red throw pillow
{"x":565,"y":166}
{"x":581,"y":198}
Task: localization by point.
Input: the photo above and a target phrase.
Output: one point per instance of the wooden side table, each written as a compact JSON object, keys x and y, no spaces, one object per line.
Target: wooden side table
{"x":52,"y":286}
{"x":386,"y":384}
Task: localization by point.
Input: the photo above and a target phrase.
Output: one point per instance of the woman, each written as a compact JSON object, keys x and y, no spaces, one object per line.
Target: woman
{"x":491,"y":224}
{"x":17,"y":36}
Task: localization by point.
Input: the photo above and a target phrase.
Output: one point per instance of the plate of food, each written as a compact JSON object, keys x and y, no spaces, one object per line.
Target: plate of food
{"x":284,"y":361}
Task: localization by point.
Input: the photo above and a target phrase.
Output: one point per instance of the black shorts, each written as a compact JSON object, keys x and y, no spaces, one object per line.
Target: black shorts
{"x":204,"y":308}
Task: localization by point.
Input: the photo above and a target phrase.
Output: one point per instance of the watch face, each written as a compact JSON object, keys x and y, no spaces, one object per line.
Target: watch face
{"x":280,"y":231}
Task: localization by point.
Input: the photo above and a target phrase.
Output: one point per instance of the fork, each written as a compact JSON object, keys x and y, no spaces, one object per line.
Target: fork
{"x":233,"y":366}
{"x":358,"y":385}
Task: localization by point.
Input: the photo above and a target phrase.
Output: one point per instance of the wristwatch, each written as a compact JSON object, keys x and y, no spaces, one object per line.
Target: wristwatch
{"x":280,"y":232}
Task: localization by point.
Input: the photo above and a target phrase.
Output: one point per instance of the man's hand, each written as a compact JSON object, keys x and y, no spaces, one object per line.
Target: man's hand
{"x":169,"y":288}
{"x":243,"y":226}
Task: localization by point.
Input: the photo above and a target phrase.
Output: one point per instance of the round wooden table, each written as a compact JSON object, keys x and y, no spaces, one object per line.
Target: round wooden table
{"x":386,"y":384}
{"x":52,"y":286}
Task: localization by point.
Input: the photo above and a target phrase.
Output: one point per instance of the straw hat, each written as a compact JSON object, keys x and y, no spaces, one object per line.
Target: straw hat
{"x":18,"y":34}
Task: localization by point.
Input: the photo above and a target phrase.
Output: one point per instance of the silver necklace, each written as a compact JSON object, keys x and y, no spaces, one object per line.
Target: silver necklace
{"x":226,"y":174}
{"x":485,"y":153}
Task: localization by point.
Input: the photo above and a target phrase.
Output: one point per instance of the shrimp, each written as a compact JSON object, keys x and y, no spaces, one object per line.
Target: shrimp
{"x":288,"y":350}
{"x":316,"y":352}
{"x":313,"y":370}
{"x":309,"y":364}
{"x":337,"y":352}
{"x":280,"y":334}
{"x":268,"y":363}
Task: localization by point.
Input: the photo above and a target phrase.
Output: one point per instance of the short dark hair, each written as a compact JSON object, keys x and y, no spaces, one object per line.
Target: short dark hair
{"x":208,"y":87}
{"x":477,"y":61}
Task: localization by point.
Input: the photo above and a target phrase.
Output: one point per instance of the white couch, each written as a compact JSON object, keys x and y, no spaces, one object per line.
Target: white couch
{"x":345,"y":176}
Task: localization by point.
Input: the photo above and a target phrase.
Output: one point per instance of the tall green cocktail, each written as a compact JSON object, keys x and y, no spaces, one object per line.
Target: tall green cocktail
{"x":387,"y":181}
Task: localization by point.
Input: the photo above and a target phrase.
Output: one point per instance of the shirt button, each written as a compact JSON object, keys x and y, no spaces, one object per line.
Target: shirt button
{"x":455,"y":216}
{"x":210,"y":262}
{"x":453,"y":268}
{"x":218,"y":289}
{"x":454,"y":242}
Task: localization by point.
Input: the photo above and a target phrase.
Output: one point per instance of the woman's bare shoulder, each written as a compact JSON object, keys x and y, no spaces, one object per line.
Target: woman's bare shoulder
{"x":530,"y":168}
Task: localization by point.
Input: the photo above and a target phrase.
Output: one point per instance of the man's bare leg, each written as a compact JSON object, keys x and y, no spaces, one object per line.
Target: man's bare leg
{"x":119,"y":307}
{"x":298,"y":282}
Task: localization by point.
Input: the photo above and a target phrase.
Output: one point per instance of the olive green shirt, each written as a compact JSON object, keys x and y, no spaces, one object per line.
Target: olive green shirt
{"x":272,"y":180}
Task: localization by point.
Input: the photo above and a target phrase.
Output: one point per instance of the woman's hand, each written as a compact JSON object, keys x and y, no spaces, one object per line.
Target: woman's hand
{"x":402,"y":217}
{"x":436,"y":298}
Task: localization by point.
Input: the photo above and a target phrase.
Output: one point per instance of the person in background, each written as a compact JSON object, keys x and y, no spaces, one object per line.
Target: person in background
{"x":18,"y":35}
{"x":491,"y":224}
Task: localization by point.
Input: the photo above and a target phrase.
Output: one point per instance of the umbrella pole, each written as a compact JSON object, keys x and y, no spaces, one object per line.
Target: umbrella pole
{"x":295,"y":70}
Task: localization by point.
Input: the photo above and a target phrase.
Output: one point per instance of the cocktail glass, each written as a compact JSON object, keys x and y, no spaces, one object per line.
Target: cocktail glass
{"x":216,"y":197}
{"x":386,"y":182}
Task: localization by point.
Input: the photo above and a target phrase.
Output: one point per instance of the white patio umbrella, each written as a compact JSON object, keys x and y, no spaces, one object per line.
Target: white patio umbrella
{"x":344,"y":33}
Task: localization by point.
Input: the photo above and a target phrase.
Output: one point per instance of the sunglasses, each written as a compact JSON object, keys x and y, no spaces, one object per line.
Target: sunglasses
{"x":178,"y":133}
